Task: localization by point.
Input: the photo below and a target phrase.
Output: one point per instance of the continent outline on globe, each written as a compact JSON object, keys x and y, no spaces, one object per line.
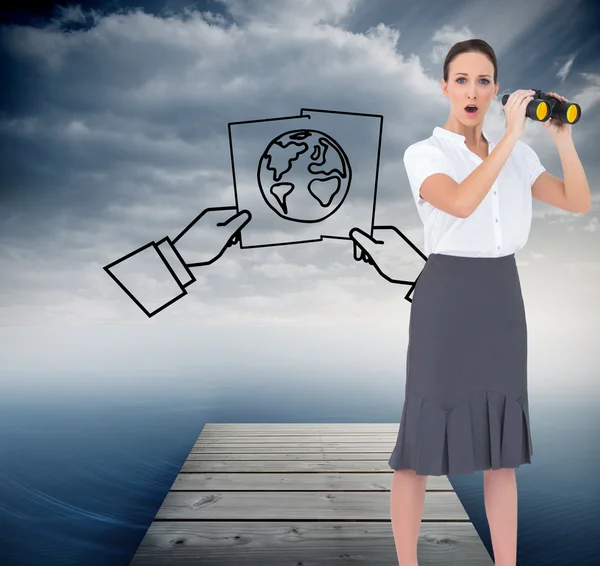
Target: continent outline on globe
{"x":303,"y":186}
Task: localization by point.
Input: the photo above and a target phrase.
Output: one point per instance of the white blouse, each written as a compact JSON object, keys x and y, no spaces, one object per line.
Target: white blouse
{"x":500,"y":225}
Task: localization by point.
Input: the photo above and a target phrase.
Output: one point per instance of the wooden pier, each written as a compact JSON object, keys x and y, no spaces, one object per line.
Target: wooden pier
{"x":299,"y":495}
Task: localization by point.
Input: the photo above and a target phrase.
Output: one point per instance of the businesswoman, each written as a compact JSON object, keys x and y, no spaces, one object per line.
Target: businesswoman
{"x":466,"y":405}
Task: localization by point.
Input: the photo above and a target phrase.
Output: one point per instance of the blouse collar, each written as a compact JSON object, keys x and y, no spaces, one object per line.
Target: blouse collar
{"x":453,"y":136}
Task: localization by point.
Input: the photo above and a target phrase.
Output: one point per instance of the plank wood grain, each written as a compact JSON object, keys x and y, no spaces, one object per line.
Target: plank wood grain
{"x":295,"y":482}
{"x":240,"y":543}
{"x":293,"y":494}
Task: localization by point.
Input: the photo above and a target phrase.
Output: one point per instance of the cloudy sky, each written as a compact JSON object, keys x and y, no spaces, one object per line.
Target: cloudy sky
{"x":113,"y":134}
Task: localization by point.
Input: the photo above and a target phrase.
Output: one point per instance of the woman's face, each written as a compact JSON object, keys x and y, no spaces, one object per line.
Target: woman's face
{"x":470,"y":82}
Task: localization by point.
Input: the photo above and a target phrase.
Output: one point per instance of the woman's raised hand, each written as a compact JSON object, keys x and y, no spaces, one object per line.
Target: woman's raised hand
{"x":514,"y":109}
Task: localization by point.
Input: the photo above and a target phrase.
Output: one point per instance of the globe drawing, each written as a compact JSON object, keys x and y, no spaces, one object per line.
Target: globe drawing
{"x":304,"y":175}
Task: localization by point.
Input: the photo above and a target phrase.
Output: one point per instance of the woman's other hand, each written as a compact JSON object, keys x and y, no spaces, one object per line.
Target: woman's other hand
{"x":514,"y":109}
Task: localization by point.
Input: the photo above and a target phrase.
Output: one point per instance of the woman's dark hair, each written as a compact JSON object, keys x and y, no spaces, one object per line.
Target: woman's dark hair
{"x":471,"y":46}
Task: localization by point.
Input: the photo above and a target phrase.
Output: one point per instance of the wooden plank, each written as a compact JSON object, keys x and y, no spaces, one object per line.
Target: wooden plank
{"x":227,"y":438}
{"x":240,"y":543}
{"x":316,"y":442}
{"x":293,"y":428}
{"x":221,"y":454}
{"x":299,"y":505}
{"x":288,"y":466}
{"x":384,"y":444}
{"x":295,"y":482}
{"x":361,"y":427}
{"x":295,"y":446}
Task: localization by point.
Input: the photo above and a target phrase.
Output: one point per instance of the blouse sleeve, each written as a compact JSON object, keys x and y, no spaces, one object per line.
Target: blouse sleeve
{"x":421,"y":161}
{"x":532,"y":163}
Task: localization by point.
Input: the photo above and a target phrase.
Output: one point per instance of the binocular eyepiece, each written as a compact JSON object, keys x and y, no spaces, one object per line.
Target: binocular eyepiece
{"x":543,"y":107}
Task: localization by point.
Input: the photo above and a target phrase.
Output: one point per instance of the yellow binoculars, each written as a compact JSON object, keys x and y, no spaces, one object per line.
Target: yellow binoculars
{"x":544,"y":106}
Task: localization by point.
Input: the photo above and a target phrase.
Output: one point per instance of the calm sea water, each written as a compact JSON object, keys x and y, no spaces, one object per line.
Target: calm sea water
{"x":82,"y":477}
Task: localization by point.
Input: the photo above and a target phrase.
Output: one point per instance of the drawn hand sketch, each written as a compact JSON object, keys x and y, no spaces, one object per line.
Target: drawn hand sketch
{"x":383,"y":249}
{"x":299,"y":179}
{"x":161,"y":262}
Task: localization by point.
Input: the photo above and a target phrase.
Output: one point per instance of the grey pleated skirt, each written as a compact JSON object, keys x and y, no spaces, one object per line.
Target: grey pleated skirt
{"x":466,"y":404}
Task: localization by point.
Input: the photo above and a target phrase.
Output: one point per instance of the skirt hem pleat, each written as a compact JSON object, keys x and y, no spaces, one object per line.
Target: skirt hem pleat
{"x":435,"y":441}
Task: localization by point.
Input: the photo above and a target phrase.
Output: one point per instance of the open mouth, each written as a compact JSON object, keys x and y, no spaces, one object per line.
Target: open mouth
{"x":471,"y":109}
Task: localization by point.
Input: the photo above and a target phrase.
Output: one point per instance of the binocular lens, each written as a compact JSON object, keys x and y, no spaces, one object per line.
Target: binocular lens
{"x":572,"y":113}
{"x":542,"y":110}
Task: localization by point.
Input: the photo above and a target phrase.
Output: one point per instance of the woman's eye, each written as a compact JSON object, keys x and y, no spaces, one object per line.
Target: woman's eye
{"x":462,"y":79}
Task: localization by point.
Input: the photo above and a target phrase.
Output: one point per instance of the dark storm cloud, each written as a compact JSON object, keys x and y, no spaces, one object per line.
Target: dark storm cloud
{"x":114,"y":129}
{"x":91,"y":111}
